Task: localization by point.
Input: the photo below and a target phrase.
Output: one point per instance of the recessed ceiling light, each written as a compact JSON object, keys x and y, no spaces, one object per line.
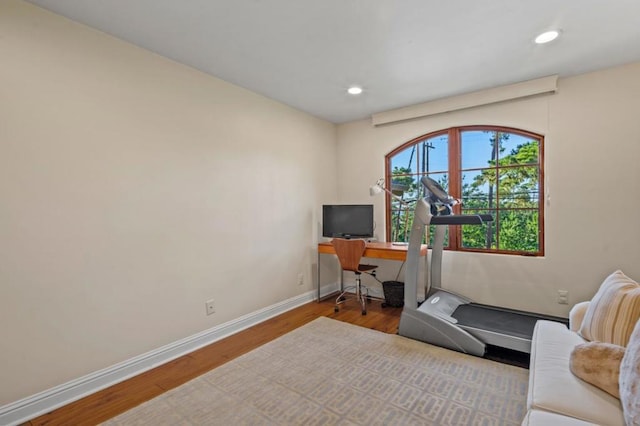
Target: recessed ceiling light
{"x":354,"y":90}
{"x":547,"y":36}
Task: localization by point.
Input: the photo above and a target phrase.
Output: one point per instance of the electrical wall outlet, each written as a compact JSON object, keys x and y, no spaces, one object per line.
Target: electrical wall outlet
{"x":210,"y":306}
{"x":563,"y":297}
{"x":300,"y":279}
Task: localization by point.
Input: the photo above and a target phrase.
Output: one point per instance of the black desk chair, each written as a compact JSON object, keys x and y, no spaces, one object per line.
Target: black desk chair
{"x":349,"y":254}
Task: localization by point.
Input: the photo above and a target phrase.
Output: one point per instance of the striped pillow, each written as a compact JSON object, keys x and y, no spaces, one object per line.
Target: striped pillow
{"x":613,"y":311}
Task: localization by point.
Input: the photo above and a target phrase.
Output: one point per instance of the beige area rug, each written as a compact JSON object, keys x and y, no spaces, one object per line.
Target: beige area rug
{"x":329,"y":372}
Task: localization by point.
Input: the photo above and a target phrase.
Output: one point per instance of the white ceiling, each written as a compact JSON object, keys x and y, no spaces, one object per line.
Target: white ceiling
{"x":305,"y":53}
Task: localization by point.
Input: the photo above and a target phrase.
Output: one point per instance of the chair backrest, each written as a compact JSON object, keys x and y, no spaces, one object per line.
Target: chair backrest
{"x":349,"y":252}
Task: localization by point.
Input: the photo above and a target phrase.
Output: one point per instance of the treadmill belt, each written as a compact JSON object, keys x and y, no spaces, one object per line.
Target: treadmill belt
{"x":496,"y":320}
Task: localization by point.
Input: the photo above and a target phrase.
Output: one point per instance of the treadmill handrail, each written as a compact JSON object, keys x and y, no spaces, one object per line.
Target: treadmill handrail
{"x":486,"y":217}
{"x":462,"y":219}
{"x":457,"y":220}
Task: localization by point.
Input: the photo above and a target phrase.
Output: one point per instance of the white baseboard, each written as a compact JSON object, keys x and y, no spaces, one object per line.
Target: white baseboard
{"x":46,"y":401}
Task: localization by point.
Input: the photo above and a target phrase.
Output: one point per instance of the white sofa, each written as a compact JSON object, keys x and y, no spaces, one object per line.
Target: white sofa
{"x":556,"y":396}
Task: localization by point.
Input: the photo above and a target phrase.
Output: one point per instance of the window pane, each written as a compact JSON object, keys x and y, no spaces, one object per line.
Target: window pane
{"x":433,"y":154}
{"x":406,"y":161}
{"x":479,"y":236}
{"x":479,"y":189}
{"x":518,"y":149}
{"x":405,"y":186}
{"x":401,"y":220}
{"x":518,"y":230}
{"x":441,"y":178}
{"x":476,"y":150}
{"x":518,"y":187}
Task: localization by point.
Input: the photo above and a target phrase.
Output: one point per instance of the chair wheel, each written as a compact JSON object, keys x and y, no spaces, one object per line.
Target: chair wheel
{"x":364,"y":312}
{"x":336,"y":309}
{"x":383,"y":305}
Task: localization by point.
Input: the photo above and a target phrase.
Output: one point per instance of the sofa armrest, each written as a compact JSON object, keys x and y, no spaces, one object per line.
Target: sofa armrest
{"x":576,"y":315}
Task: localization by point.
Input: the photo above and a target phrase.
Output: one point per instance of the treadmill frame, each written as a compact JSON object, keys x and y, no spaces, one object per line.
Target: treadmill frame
{"x":432,"y":320}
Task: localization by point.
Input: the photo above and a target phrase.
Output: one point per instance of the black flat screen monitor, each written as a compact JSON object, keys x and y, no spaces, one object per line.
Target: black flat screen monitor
{"x":347,"y":220}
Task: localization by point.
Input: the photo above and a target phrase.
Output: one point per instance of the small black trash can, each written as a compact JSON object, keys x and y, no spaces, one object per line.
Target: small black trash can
{"x":393,"y":294}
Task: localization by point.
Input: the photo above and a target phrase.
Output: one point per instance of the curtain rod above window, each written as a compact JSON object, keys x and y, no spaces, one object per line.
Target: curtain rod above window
{"x":469,"y":100}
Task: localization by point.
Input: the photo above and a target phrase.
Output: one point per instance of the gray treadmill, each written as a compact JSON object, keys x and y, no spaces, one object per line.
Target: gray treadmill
{"x":445,"y":318}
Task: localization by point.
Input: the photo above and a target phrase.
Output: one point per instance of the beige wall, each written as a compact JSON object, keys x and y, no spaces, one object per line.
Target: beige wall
{"x":132,"y":189}
{"x":591,"y":163}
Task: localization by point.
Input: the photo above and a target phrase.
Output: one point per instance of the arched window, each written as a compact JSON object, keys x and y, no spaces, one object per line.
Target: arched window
{"x":493,"y":170}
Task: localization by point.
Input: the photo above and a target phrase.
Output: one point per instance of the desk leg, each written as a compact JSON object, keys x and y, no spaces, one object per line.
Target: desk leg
{"x":318,"y":276}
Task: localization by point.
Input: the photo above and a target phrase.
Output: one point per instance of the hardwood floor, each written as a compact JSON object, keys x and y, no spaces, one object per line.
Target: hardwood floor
{"x":119,"y":398}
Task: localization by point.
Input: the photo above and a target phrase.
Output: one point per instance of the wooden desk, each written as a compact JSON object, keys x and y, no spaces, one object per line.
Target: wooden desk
{"x":376,"y":250}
